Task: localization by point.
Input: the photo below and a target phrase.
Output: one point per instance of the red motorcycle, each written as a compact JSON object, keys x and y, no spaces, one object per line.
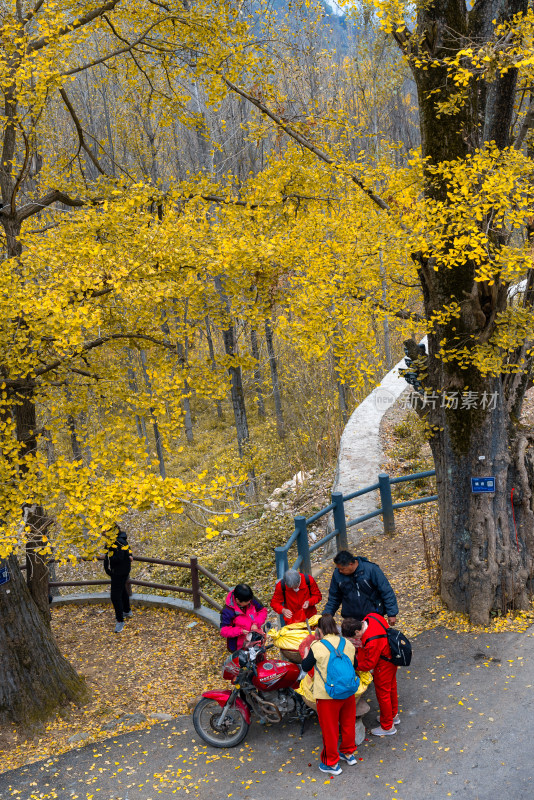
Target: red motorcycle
{"x":262,"y":686}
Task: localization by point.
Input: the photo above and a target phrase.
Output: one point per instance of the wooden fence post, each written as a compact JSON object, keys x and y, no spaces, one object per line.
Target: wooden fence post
{"x":195,"y":583}
{"x":340,"y":523}
{"x":386,"y":500}
{"x":303,"y":546}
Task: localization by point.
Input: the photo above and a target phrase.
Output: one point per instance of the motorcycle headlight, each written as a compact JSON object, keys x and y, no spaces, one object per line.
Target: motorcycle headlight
{"x":243,"y":660}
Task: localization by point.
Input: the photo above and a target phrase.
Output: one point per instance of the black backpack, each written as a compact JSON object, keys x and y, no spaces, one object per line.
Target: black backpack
{"x":283,"y":585}
{"x":399,"y":644}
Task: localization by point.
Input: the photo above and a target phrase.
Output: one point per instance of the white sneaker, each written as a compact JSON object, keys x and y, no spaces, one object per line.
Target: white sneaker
{"x":119,"y":627}
{"x":396,"y":720}
{"x":128,"y":614}
{"x":381,"y":732}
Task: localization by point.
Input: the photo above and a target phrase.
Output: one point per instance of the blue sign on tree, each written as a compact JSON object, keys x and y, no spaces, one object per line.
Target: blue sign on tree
{"x":4,"y":575}
{"x":481,"y":485}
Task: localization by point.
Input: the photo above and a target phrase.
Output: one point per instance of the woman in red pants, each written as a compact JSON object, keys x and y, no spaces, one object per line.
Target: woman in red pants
{"x":335,"y":716}
{"x":374,"y":655}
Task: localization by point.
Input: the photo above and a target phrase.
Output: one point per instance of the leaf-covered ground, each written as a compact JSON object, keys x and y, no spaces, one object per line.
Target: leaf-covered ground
{"x":159,"y":664}
{"x":402,"y":559}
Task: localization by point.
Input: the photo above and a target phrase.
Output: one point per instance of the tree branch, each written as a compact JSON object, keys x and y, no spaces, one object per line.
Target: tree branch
{"x":91,"y":346}
{"x":298,"y":137}
{"x":413,"y":316}
{"x":213,"y":198}
{"x":54,"y":196}
{"x":85,"y":374}
{"x":80,"y":131}
{"x":31,"y":14}
{"x":122,"y":50}
{"x":38,"y":44}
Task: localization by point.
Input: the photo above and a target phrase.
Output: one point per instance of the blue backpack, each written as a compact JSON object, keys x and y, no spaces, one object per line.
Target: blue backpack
{"x":341,"y":680}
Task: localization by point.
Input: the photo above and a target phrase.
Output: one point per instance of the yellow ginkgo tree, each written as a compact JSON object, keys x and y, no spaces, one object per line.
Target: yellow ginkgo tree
{"x":93,"y":264}
{"x":461,"y":208}
{"x":465,"y":218}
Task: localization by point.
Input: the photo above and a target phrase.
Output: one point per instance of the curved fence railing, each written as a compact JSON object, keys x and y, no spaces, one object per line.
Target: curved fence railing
{"x":195,"y":590}
{"x":299,"y":537}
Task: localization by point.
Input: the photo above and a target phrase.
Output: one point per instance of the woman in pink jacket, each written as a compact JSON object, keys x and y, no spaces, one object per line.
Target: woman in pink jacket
{"x":241,"y":614}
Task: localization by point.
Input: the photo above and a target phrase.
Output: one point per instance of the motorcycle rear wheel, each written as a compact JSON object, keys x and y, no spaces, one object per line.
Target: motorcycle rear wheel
{"x":232,"y":731}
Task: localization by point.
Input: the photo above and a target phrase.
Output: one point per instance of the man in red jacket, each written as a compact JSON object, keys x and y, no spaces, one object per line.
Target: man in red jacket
{"x":296,"y":597}
{"x":374,"y":655}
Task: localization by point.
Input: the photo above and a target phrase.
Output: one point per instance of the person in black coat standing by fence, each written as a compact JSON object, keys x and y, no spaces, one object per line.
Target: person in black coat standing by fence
{"x":117,"y":563}
{"x":360,"y":588}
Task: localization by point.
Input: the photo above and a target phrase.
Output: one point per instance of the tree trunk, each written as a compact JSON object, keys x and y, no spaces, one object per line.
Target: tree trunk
{"x":342,"y":396}
{"x":53,"y":591}
{"x":280,"y":426}
{"x":387,"y":343}
{"x":76,"y":449}
{"x":237,"y":394}
{"x":258,"y":378}
{"x":338,"y":373}
{"x":132,"y":382}
{"x":487,"y":540}
{"x":34,"y":677}
{"x":182,"y":351}
{"x":33,"y":516}
{"x":213,"y":362}
{"x":186,"y":404}
{"x":486,"y":561}
{"x":157,"y":437}
{"x":71,"y":424}
{"x":37,"y":575}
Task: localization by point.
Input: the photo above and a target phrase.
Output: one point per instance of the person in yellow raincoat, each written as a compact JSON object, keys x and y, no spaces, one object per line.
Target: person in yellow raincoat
{"x":306,"y":685}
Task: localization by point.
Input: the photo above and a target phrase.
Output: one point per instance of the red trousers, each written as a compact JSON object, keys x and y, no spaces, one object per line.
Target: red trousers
{"x":385,"y":681}
{"x":335,"y":716}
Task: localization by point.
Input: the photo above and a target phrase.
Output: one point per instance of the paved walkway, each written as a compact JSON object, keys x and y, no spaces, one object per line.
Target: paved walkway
{"x":360,"y":454}
{"x":467,"y":732}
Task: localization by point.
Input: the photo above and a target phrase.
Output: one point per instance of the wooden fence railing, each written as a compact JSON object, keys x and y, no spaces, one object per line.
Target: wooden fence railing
{"x":386,"y":510}
{"x":195,"y":590}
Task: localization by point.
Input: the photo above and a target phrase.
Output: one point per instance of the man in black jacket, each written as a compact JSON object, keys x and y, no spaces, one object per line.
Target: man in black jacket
{"x":360,"y":588}
{"x":117,"y":563}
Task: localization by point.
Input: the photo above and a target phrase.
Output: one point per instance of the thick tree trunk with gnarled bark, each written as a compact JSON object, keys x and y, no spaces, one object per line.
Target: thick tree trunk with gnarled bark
{"x":487,"y":540}
{"x":34,"y":677}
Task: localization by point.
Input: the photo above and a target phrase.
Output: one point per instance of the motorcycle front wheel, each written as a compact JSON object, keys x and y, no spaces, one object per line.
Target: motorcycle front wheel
{"x":229,"y":733}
